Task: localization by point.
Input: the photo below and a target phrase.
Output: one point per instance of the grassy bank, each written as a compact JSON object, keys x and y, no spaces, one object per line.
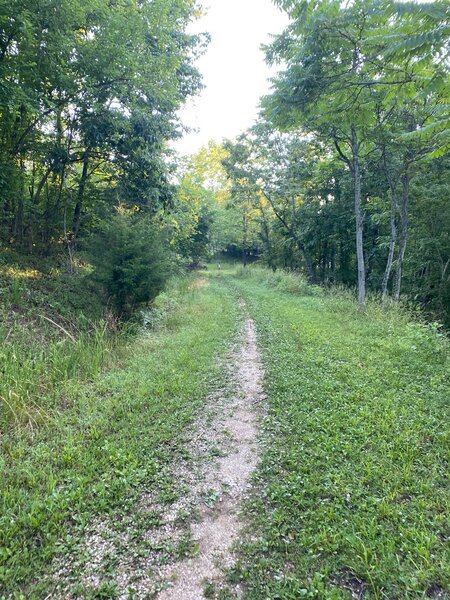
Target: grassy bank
{"x":53,"y":327}
{"x":352,"y":494}
{"x":107,"y":440}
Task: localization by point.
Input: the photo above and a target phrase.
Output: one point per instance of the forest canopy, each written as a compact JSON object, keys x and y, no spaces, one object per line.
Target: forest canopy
{"x":88,"y":99}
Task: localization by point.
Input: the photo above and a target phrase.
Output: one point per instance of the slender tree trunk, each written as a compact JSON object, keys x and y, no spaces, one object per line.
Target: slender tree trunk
{"x":308,"y":262}
{"x":393,"y":230}
{"x":301,"y":246}
{"x":332,"y":275}
{"x":290,"y":229}
{"x":403,"y":237}
{"x":370,"y":256}
{"x":34,"y":207}
{"x":5,"y":220}
{"x":324,"y":261}
{"x":79,"y":204}
{"x":359,"y":219}
{"x":390,"y":259}
{"x":244,"y":239}
{"x":267,"y":240}
{"x":18,"y":221}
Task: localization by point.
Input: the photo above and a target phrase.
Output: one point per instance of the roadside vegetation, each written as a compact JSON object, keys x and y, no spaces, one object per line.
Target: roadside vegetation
{"x":54,"y":327}
{"x":351,"y":497}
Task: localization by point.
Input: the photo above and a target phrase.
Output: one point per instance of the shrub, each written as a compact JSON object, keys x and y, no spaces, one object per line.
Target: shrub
{"x":284,"y":281}
{"x":131,"y":260}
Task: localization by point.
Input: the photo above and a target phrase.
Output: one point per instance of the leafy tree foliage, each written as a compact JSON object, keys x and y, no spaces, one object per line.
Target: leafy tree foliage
{"x":208,"y":218}
{"x":344,"y":83}
{"x":88,"y":97}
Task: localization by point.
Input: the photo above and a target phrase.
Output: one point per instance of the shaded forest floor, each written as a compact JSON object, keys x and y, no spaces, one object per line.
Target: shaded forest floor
{"x":105,"y":494}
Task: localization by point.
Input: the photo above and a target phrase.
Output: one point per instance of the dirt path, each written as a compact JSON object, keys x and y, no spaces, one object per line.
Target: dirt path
{"x":175,"y":550}
{"x":218,"y":528}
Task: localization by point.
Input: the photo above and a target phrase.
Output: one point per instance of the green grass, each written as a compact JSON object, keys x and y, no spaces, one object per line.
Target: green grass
{"x":53,"y":328}
{"x":352,"y":494}
{"x":353,"y":491}
{"x":109,"y":439}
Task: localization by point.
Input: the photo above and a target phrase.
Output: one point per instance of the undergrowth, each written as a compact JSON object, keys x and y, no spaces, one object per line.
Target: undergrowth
{"x":53,"y":327}
{"x":343,"y":299}
{"x":283,"y":281}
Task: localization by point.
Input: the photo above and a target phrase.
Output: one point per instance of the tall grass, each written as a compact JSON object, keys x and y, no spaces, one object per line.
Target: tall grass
{"x":34,"y":368}
{"x":343,"y":299}
{"x":284,"y":281}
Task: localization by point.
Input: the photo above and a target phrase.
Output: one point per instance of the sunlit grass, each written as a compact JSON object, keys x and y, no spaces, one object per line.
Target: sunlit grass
{"x":18,"y":273}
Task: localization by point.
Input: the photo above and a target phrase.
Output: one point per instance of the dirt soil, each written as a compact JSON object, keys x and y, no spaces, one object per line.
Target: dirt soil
{"x":218,"y":528}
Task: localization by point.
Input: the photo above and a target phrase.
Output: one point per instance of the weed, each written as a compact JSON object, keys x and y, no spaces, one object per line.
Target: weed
{"x":351,"y":496}
{"x":107,"y":440}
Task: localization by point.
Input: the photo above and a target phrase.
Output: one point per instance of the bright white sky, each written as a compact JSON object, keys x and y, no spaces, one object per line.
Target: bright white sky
{"x":233,"y":69}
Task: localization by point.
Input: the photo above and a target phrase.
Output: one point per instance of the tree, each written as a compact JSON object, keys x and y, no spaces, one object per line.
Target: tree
{"x":131,"y":260}
{"x":267,"y":170}
{"x":336,"y":82}
{"x":419,"y":33}
{"x":88,"y":100}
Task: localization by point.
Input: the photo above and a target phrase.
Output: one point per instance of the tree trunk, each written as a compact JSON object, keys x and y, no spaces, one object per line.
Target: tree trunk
{"x":78,"y":206}
{"x":324,"y":261}
{"x":266,"y":239}
{"x":34,"y":207}
{"x":18,"y":221}
{"x":244,"y":239}
{"x":308,"y":262}
{"x":403,"y":237}
{"x":390,"y":260}
{"x":19,"y":217}
{"x":393,"y":229}
{"x":332,"y":275}
{"x":359,"y":219}
{"x":290,"y":229}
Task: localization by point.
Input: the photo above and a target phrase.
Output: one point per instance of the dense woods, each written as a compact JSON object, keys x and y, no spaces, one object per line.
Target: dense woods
{"x":343,"y":177}
{"x":347,"y":169}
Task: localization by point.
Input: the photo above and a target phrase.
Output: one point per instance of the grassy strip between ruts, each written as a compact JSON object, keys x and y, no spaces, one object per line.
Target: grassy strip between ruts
{"x":352,"y":495}
{"x":109,"y":439}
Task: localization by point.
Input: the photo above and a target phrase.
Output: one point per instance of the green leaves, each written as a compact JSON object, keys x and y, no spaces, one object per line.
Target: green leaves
{"x":88,"y":78}
{"x":131,"y":261}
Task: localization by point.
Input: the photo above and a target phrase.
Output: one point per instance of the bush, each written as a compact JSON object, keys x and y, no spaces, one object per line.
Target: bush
{"x":131,"y":261}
